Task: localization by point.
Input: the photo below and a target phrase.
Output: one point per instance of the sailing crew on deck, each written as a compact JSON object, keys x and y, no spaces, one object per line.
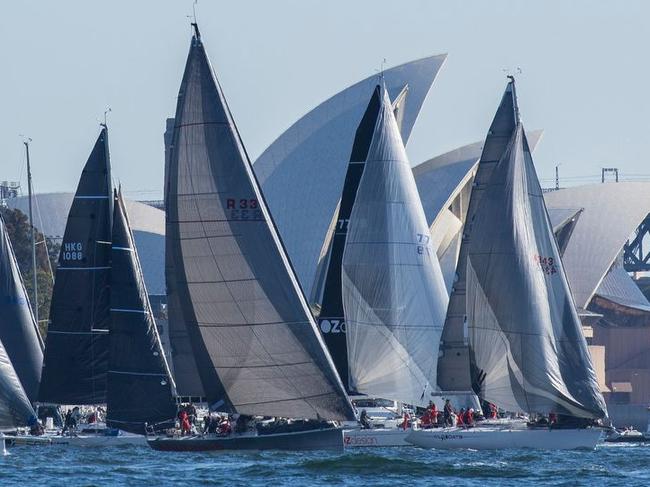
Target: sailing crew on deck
{"x":468,"y":419}
{"x":76,"y":417}
{"x":191,"y":413}
{"x":185,"y":422}
{"x":67,"y":422}
{"x":224,"y":428}
{"x":363,"y":419}
{"x":460,"y":420}
{"x":447,"y":412}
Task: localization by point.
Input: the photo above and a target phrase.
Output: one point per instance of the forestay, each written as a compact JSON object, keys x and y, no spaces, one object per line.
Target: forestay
{"x":393,"y":290}
{"x":139,"y":388}
{"x":527,"y":349}
{"x":76,"y":348}
{"x":18,"y":331}
{"x":256,"y":344}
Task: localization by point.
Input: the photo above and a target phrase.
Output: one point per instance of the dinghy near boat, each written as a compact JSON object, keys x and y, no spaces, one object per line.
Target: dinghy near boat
{"x":527,"y":353}
{"x":255,"y":342}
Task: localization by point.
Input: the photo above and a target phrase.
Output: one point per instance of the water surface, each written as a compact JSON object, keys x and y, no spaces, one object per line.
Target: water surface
{"x":627,"y":465}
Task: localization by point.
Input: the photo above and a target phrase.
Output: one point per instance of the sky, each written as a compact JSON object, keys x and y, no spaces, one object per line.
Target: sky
{"x":584,"y":76}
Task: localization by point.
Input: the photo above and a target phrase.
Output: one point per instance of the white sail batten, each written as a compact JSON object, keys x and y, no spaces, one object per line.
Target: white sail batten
{"x":527,"y":350}
{"x":256,"y":344}
{"x":393,"y":290}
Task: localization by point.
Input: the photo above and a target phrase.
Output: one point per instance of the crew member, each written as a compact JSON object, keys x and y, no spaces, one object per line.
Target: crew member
{"x":363,"y":419}
{"x":447,"y":412}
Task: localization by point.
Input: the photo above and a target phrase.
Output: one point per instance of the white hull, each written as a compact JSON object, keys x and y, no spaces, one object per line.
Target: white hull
{"x":82,"y":440}
{"x":482,"y":438}
{"x":380,"y":437}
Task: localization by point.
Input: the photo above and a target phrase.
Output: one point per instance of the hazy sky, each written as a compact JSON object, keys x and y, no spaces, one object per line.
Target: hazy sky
{"x":585,"y":76}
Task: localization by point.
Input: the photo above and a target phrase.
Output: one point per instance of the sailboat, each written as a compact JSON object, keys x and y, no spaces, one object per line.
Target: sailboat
{"x":76,"y":357}
{"x":255,"y":342}
{"x":526,"y":351}
{"x":384,"y":286}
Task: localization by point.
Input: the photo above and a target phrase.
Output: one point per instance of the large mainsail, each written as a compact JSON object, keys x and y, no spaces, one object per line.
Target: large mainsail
{"x":139,"y":389}
{"x":18,"y":331}
{"x":453,"y":364}
{"x":527,"y":349}
{"x":256,"y":344}
{"x":393,"y":291}
{"x":331,"y":320}
{"x":76,"y":348}
{"x":15,"y":408}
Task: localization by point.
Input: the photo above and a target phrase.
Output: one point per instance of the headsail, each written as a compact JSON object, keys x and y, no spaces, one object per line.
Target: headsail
{"x":18,"y":331}
{"x":139,"y":388}
{"x":453,"y":365}
{"x":256,"y":344}
{"x":331,"y":319}
{"x":76,"y":348}
{"x":15,"y":408}
{"x":393,"y":291}
{"x":527,"y":349}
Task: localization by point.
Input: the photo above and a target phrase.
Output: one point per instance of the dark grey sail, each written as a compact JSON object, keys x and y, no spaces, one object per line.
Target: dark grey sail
{"x":453,"y":364}
{"x":331,"y":320}
{"x":256,"y":344}
{"x":140,"y":388}
{"x":76,"y":347}
{"x":527,"y":349}
{"x":182,"y":363}
{"x":15,"y":408}
{"x":18,"y":331}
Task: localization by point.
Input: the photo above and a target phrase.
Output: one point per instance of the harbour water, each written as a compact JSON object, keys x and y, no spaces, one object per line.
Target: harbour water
{"x":62,"y":466}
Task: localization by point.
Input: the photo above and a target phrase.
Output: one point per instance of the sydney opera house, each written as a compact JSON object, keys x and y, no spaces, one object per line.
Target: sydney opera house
{"x":592,"y":225}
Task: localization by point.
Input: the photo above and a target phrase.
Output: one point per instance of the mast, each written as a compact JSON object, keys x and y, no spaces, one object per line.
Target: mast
{"x":33,"y":231}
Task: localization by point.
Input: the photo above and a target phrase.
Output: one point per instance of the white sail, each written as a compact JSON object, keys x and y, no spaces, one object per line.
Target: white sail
{"x":393,"y":291}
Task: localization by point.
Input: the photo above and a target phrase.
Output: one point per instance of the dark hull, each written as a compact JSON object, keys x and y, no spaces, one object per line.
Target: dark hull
{"x":321,"y":439}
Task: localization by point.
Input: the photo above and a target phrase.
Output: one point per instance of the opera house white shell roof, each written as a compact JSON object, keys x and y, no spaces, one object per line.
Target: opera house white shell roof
{"x":302,"y":171}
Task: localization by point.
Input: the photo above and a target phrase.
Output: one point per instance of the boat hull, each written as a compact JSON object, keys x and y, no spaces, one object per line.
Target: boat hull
{"x":380,"y":437}
{"x":82,"y":440}
{"x":506,"y":438}
{"x":322,"y":439}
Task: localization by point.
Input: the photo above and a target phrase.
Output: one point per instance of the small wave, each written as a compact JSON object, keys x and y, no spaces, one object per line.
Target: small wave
{"x":377,"y":466}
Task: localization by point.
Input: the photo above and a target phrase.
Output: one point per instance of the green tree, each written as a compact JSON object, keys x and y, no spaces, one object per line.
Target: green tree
{"x":47,"y":253}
